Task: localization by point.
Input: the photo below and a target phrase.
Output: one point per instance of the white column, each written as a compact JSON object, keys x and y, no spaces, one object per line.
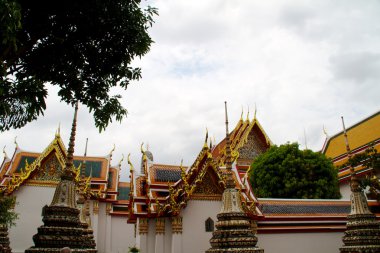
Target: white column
{"x":160,"y":235}
{"x":95,"y":219}
{"x":108,"y":228}
{"x":142,"y":238}
{"x":176,"y":234}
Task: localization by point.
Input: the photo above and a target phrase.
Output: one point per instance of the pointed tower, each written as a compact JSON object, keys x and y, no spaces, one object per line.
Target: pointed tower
{"x":84,"y":204}
{"x":62,"y":226}
{"x":363,"y":229}
{"x":234,"y":232}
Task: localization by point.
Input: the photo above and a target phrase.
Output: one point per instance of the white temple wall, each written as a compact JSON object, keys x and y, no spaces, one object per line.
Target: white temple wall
{"x":101,"y":241}
{"x":194,"y":236}
{"x":151,"y":236}
{"x":301,"y":242}
{"x":122,"y":235}
{"x":30,"y":200}
{"x":168,"y":234}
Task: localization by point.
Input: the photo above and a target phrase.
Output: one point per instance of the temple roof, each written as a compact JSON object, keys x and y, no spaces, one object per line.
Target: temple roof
{"x":44,"y":169}
{"x":359,"y":134}
{"x":240,"y":137}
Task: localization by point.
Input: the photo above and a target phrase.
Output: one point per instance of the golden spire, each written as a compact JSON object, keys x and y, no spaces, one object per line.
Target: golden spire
{"x":242,"y":112}
{"x":16,"y":142}
{"x":58,"y":132}
{"x":83,"y":172}
{"x":230,"y":181}
{"x":112,"y":150}
{"x":206,"y":138}
{"x":247,"y":113}
{"x":143,"y":152}
{"x":121,"y":160}
{"x":69,"y":173}
{"x":130,"y":163}
{"x":325,"y":132}
{"x":5,"y":153}
{"x":254,"y":116}
{"x":354,"y":181}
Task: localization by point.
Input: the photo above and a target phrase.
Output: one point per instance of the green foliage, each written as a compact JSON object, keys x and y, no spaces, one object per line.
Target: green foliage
{"x":133,"y":249}
{"x":287,"y":172}
{"x":369,"y":159}
{"x":83,"y":47}
{"x":7,"y":214}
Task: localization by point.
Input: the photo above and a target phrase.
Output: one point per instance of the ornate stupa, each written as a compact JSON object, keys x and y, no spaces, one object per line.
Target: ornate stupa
{"x":84,"y":205}
{"x":4,"y":240}
{"x":363,"y":229}
{"x":62,"y":226}
{"x":234,"y":231}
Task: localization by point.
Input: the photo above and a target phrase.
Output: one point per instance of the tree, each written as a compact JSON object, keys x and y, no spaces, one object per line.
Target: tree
{"x":370,"y":160}
{"x":84,"y":47}
{"x":7,"y":214}
{"x":287,"y":172}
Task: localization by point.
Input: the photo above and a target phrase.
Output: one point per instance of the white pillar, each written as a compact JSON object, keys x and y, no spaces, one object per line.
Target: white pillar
{"x":160,"y":235}
{"x":176,"y":234}
{"x":142,"y":238}
{"x":108,"y":228}
{"x":95,"y":219}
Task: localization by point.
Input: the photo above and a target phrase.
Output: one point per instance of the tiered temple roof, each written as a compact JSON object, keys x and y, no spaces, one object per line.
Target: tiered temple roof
{"x":362,"y":135}
{"x":44,"y":169}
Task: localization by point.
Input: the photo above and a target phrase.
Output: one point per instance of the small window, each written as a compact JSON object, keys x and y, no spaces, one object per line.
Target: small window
{"x":209,"y":225}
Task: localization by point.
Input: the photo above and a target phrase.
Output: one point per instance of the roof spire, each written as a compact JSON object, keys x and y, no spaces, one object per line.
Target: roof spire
{"x":254,"y":116}
{"x":16,"y":142}
{"x":354,"y":181}
{"x":5,"y":153}
{"x":58,"y":132}
{"x":70,"y":152}
{"x":121,"y":160}
{"x":242,"y":112}
{"x":325,"y":132}
{"x":230,"y":182}
{"x":206,"y":138}
{"x":248,"y":113}
{"x":83,"y":172}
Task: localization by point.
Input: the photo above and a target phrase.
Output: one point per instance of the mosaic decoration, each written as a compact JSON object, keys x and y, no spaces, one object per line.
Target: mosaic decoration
{"x":252,"y":147}
{"x":50,"y":170}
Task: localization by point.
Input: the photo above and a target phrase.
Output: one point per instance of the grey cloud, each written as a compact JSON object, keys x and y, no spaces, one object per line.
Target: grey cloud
{"x":358,"y":67}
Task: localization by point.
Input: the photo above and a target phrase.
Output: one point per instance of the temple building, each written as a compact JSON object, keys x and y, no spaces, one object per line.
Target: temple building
{"x":167,"y":208}
{"x":362,"y":135}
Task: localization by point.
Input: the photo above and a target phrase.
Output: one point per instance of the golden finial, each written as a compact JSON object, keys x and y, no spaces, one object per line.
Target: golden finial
{"x":355,"y":186}
{"x":141,"y":148}
{"x":206,"y":138}
{"x":254,"y":116}
{"x":4,"y":152}
{"x":210,"y":143}
{"x":16,"y":142}
{"x":143,"y":152}
{"x":248,"y":113}
{"x":112,"y":150}
{"x":121,"y":160}
{"x":58,"y":132}
{"x":242,"y":112}
{"x":325,"y":132}
{"x":230,"y":180}
{"x":130,"y":163}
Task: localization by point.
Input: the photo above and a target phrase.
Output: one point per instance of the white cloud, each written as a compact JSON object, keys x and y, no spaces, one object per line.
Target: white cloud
{"x":304,"y":64}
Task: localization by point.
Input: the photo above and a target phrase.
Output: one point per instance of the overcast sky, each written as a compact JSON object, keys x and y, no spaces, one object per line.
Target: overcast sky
{"x":303,"y":63}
